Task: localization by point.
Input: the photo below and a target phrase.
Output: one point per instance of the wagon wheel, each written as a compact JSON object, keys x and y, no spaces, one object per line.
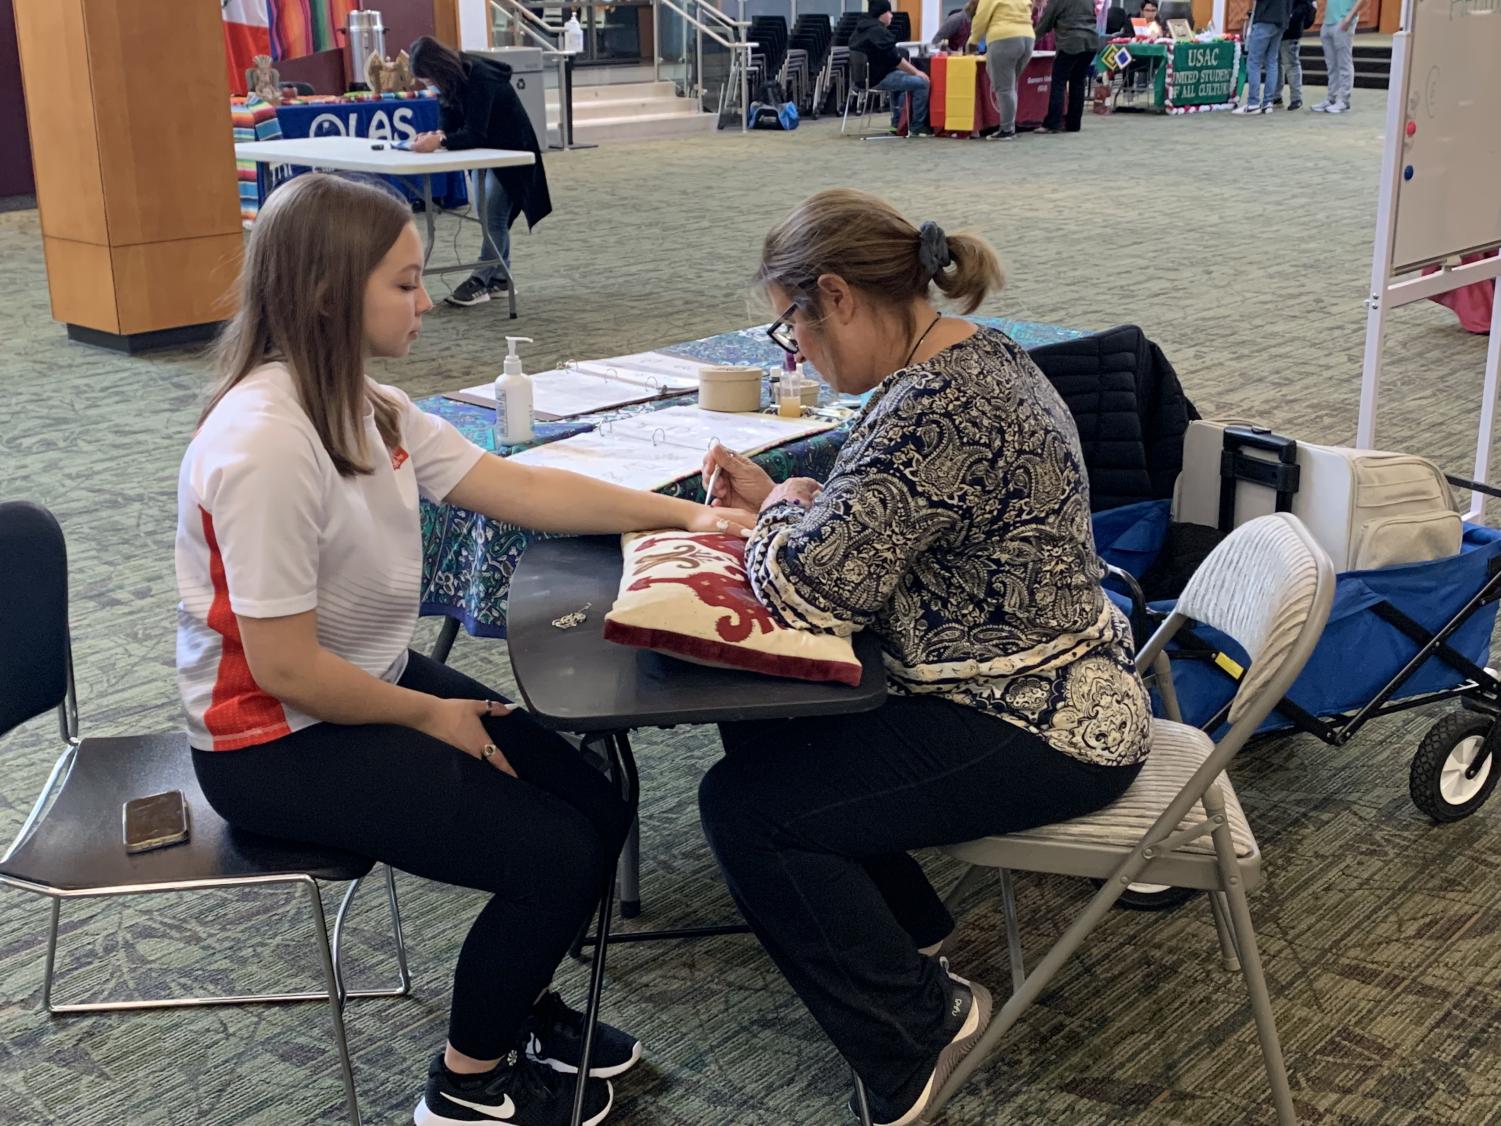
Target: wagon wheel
{"x":1153,"y":897}
{"x":1455,"y":768}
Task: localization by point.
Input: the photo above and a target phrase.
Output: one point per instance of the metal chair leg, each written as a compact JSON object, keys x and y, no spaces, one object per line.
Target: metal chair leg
{"x":966,"y":883}
{"x":53,"y":917}
{"x":630,"y":872}
{"x":1013,"y":931}
{"x":403,"y":975}
{"x":335,"y":1002}
{"x":354,"y":886}
{"x":402,"y":989}
{"x":1250,"y":960}
{"x":862,"y":1104}
{"x":444,"y":645}
{"x":1229,"y":956}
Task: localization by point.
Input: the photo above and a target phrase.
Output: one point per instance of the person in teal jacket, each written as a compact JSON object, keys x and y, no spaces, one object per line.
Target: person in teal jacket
{"x":1338,"y":38}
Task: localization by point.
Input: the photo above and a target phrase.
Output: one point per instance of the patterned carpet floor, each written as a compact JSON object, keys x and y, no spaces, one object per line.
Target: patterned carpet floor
{"x":1242,"y":246}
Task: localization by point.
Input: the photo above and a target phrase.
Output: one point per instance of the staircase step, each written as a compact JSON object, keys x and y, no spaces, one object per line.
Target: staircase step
{"x":649,"y":127}
{"x":1373,"y":65}
{"x":643,"y":107}
{"x":621,"y":90}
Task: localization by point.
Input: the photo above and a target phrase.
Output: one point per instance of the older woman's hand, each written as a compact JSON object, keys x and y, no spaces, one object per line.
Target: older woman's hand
{"x":801,"y":491}
{"x":741,"y":482}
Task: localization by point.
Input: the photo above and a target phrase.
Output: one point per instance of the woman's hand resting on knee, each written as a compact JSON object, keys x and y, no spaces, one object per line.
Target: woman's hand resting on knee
{"x":457,"y":723}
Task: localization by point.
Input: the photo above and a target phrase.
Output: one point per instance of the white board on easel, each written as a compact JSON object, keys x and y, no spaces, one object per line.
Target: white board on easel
{"x":1450,"y":201}
{"x":1441,"y":185}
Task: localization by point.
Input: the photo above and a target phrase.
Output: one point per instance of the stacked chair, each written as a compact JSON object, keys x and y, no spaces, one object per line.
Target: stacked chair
{"x":770,"y":33}
{"x":901,"y":27}
{"x":813,"y":36}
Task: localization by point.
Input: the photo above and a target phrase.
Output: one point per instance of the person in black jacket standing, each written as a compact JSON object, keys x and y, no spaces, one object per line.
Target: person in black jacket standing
{"x":1076,"y":42}
{"x":479,"y":109}
{"x":1300,"y":19}
{"x":889,"y":69}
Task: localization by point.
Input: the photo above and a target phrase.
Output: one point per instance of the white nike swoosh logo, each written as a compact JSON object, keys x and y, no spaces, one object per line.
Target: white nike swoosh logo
{"x":502,"y":1112}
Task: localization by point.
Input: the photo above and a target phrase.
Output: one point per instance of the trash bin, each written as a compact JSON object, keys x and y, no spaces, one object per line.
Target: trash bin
{"x":527,"y":80}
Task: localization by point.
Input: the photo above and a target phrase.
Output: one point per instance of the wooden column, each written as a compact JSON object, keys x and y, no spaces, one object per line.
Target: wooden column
{"x":135,"y":174}
{"x":446,"y":22}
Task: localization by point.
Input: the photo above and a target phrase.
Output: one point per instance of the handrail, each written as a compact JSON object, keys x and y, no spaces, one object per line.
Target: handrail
{"x":722,"y":17}
{"x":516,"y":12}
{"x":730,"y":44}
{"x":551,"y":49}
{"x":735,"y":27}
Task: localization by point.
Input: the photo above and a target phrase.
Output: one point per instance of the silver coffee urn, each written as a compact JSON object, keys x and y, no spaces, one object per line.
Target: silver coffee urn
{"x":365,"y":35}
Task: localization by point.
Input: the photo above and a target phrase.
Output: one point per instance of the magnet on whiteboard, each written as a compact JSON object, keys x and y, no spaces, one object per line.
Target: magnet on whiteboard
{"x":1407,"y":173}
{"x":1412,"y":128}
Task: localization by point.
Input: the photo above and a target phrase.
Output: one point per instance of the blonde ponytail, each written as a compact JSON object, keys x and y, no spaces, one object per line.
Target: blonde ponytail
{"x":974,"y":270}
{"x":872,"y":246}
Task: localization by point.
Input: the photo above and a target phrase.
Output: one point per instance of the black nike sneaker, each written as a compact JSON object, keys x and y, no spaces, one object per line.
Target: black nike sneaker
{"x":555,"y":1037}
{"x":518,"y":1091}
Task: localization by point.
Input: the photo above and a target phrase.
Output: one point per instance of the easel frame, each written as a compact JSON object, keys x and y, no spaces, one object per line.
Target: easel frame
{"x":1390,"y":291}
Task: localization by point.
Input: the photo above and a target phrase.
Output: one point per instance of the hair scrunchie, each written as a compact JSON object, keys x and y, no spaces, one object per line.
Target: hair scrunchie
{"x":932,"y":248}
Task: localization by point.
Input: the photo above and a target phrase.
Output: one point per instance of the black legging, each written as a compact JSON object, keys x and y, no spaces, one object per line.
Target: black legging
{"x":542,"y":845}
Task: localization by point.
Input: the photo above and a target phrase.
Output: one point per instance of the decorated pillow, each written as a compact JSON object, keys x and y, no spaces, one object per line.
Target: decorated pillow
{"x":687,"y":594}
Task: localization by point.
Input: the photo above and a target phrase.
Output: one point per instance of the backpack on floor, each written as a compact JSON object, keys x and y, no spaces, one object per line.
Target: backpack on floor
{"x":772,"y":116}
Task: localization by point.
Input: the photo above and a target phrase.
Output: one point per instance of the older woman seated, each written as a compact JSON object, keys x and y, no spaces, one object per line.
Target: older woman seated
{"x":955,"y":524}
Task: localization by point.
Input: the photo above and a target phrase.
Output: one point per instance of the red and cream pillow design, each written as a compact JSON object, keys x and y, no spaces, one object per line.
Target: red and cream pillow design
{"x":687,"y":594}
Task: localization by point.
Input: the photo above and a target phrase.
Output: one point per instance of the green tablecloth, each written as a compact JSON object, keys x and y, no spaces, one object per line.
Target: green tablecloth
{"x":1186,"y":77}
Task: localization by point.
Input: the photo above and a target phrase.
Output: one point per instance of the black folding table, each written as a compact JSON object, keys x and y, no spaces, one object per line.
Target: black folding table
{"x":573,"y":680}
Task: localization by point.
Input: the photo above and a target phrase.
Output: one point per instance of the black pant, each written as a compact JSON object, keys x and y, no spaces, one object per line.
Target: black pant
{"x":542,"y":844}
{"x":811,"y":821}
{"x":1070,"y":69}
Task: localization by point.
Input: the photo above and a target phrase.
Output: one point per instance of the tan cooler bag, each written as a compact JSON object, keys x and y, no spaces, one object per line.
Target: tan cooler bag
{"x":1366,"y":508}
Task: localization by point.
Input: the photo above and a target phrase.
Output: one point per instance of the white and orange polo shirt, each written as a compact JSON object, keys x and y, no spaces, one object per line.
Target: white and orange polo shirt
{"x":267,"y":528}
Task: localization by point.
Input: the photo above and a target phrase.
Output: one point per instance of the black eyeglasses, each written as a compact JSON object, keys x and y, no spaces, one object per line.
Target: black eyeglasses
{"x":780,"y":330}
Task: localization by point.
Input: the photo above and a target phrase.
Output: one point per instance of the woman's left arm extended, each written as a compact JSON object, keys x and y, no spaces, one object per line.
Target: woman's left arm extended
{"x":554,"y":500}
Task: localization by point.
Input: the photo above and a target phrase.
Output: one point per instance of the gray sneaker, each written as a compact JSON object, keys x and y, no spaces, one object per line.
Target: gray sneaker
{"x":969,"y":1016}
{"x":472,"y":291}
{"x":1339,"y":107}
{"x":1322,"y":107}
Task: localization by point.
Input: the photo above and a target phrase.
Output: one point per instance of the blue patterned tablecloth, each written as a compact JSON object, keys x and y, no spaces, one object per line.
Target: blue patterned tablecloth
{"x":468,"y":559}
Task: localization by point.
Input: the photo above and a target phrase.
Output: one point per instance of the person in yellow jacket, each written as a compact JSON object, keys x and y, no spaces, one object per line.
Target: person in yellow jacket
{"x":1006,"y":28}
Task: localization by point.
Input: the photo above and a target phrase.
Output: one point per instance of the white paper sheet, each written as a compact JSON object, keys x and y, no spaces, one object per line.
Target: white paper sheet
{"x":567,"y":393}
{"x":652,"y":450}
{"x":650,"y":369}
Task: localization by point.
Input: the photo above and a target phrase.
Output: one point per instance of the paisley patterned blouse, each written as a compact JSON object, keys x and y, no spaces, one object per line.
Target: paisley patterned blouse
{"x":956,"y":525}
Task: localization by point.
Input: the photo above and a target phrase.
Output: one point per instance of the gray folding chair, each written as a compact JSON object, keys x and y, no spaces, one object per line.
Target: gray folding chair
{"x":861,"y":95}
{"x":71,"y":846}
{"x":1269,"y":587}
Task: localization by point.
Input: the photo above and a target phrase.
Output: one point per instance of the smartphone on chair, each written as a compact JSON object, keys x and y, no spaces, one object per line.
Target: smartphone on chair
{"x":155,"y":821}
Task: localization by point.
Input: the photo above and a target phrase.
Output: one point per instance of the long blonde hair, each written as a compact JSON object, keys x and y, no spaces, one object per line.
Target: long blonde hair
{"x":302,"y":303}
{"x":872,"y":246}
